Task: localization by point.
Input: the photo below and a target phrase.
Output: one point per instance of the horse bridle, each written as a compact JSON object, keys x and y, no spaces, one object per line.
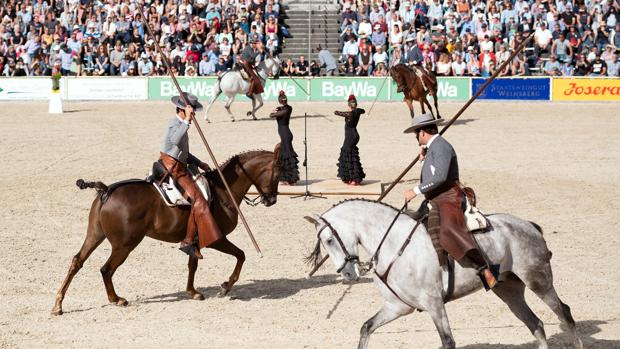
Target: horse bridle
{"x":262,"y":196}
{"x":347,"y":256}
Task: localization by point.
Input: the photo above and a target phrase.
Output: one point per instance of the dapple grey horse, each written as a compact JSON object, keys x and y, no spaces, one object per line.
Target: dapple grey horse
{"x":417,"y":281}
{"x":231,"y":83}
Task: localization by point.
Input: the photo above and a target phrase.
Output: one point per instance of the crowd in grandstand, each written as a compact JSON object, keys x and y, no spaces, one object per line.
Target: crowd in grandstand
{"x":205,"y":37}
{"x":473,"y":38}
{"x":108,"y":37}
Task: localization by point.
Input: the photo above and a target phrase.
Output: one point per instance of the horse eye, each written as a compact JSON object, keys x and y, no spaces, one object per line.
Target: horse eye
{"x":329,"y":241}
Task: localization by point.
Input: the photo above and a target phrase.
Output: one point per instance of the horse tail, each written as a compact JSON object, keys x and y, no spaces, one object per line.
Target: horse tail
{"x":98,"y":186}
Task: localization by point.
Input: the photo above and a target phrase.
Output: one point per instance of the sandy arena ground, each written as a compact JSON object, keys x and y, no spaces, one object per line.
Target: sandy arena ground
{"x":555,"y":164}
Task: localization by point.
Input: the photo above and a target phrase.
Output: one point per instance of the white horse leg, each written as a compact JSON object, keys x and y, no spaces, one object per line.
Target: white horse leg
{"x":251,"y":112}
{"x":217,"y":93}
{"x":388,"y":313}
{"x":543,"y":287}
{"x":227,"y":106}
{"x":260,"y":104}
{"x":511,"y":291}
{"x":438,"y":313}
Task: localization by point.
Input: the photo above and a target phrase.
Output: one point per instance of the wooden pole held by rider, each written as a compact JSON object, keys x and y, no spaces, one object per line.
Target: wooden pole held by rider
{"x":444,"y":129}
{"x":164,"y":58}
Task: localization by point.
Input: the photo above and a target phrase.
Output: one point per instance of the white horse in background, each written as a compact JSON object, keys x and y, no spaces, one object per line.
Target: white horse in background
{"x":417,"y":281}
{"x":231,"y":83}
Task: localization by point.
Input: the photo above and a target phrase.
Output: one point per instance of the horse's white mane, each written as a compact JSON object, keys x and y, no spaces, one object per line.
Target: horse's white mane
{"x":362,"y":200}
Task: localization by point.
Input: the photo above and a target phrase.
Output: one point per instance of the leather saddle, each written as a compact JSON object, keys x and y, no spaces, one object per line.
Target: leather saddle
{"x":474,"y":218}
{"x":171,"y":193}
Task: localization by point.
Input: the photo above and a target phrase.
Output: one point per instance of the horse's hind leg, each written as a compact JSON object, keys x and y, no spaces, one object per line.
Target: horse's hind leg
{"x":94,"y":237}
{"x":511,"y":291}
{"x":410,"y":106}
{"x":436,"y":103}
{"x":388,"y":313}
{"x":192,"y":265}
{"x":229,"y":101}
{"x":542,"y":285}
{"x":430,"y":108}
{"x":225,"y":246}
{"x":119,"y":255}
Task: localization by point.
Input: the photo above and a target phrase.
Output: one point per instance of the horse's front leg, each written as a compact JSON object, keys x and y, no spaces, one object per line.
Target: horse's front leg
{"x":388,"y":313}
{"x":192,"y":265}
{"x":438,"y":313}
{"x":409,"y":103}
{"x":260,"y":105}
{"x":229,"y":101}
{"x":225,"y":246}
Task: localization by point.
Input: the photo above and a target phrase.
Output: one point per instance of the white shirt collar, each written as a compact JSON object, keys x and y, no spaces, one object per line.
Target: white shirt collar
{"x":430,"y":141}
{"x":181,"y":119}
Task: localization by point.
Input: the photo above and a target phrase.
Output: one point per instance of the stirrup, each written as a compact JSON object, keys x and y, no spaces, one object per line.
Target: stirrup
{"x":191,"y":250}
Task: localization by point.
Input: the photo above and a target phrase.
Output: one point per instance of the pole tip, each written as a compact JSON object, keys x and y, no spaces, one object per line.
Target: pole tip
{"x":260,"y":254}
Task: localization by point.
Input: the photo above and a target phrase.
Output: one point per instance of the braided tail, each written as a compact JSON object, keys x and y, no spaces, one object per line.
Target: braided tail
{"x":98,"y":186}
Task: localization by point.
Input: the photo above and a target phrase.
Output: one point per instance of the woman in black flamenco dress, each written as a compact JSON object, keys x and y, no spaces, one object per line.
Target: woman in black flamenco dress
{"x":350,"y":169}
{"x":289,"y":173}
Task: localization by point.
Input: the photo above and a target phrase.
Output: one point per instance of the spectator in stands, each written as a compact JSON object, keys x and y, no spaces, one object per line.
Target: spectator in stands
{"x":444,"y":66}
{"x":327,"y":60}
{"x":613,"y":65}
{"x":116,"y":58}
{"x":206,"y":66}
{"x":380,"y":70}
{"x":396,"y":58}
{"x":552,"y":67}
{"x":350,"y":66}
{"x":101,"y":61}
{"x":289,"y":67}
{"x":380,"y":57}
{"x":315,"y":69}
{"x":562,"y":49}
{"x":220,"y":66}
{"x":542,"y":38}
{"x":301,"y":67}
{"x":350,"y":48}
{"x":412,"y":53}
{"x":145,"y":66}
{"x":378,"y":37}
{"x":597,"y":67}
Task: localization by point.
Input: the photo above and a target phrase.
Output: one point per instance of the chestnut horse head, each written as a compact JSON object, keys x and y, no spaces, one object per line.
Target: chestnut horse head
{"x":125,"y":212}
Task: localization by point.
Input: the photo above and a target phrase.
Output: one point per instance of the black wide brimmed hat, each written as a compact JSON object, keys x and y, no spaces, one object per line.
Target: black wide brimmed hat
{"x":421,"y":121}
{"x":192,"y":99}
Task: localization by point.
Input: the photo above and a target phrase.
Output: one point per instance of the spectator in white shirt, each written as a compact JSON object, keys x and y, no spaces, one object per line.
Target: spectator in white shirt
{"x":458,"y":66}
{"x":542,"y":38}
{"x":206,"y":66}
{"x":351,"y":48}
{"x":380,"y":56}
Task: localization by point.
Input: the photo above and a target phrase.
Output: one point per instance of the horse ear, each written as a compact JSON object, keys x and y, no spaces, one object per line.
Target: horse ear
{"x":312,"y":219}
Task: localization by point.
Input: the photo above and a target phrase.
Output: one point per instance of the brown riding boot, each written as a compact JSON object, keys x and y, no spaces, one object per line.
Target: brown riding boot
{"x":189,"y":245}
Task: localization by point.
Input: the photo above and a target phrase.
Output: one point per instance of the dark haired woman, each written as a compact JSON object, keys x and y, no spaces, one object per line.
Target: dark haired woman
{"x":289,"y":173}
{"x":350,"y":169}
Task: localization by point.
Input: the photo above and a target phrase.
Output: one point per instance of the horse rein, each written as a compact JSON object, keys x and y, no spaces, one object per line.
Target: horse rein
{"x":347,"y":256}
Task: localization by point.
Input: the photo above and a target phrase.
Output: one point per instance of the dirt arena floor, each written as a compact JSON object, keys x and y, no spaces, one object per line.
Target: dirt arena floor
{"x":555,"y":164}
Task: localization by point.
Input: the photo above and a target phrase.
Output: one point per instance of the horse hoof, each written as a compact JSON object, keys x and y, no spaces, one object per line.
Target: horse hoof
{"x":224,"y":289}
{"x":248,"y":113}
{"x":56,"y":311}
{"x":121,"y":302}
{"x":196,"y":296}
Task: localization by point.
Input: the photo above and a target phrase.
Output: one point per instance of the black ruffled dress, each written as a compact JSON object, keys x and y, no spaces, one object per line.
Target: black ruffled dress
{"x":349,"y":165}
{"x":288,"y":158}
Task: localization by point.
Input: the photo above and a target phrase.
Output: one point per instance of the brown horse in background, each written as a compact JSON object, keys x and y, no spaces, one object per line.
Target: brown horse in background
{"x":414,"y":88}
{"x":125,"y":213}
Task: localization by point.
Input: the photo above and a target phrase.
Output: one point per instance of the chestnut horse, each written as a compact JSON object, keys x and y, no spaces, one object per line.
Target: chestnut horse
{"x":409,"y":83}
{"x":125,"y":213}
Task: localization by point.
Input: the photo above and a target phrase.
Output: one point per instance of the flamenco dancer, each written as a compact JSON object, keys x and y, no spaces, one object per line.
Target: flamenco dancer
{"x":350,"y":169}
{"x":289,"y":173}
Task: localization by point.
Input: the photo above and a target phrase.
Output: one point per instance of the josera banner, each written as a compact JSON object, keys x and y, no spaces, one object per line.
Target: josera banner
{"x":586,"y":89}
{"x":514,"y":88}
{"x":339,"y":89}
{"x":204,"y":88}
{"x":448,"y":89}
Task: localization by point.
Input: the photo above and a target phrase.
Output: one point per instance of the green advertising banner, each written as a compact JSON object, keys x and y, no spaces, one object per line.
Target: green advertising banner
{"x":339,"y":89}
{"x":162,"y":88}
{"x":448,"y":89}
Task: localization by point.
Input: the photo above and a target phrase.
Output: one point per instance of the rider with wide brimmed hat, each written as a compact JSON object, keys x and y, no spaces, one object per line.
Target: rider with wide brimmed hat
{"x":175,"y":157}
{"x":439,"y":183}
{"x":247,"y":61}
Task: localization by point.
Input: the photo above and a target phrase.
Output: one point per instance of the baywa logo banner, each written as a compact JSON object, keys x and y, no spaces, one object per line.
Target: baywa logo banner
{"x":205,"y":87}
{"x":339,"y":89}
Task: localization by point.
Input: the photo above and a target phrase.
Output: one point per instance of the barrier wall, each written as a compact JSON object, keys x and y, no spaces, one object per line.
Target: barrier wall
{"x":319,"y":89}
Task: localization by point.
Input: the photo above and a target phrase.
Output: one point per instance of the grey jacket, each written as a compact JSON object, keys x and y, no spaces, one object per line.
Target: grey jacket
{"x":326,"y":59}
{"x":440,"y":166}
{"x":176,"y":141}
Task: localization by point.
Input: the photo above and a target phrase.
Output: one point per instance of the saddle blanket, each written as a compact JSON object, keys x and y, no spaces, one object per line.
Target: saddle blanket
{"x":173,"y":196}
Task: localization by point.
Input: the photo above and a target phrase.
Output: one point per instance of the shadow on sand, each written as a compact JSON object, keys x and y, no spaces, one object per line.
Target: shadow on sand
{"x":586,"y":330}
{"x":257,"y":289}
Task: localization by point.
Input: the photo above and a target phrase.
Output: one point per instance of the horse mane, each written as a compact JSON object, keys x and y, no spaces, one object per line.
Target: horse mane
{"x":314,"y":257}
{"x":236,"y":157}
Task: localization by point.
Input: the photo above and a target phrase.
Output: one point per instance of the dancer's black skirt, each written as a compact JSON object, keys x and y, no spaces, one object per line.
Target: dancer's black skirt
{"x":349,"y":163}
{"x":289,"y":171}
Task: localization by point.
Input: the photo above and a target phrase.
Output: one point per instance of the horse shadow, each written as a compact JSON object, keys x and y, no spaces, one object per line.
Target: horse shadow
{"x":463,"y":121}
{"x":586,"y":329}
{"x":258,"y":289}
{"x":310,"y":116}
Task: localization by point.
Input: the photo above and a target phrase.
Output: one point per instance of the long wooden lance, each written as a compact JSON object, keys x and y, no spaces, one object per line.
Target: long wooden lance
{"x":445,"y":128}
{"x":164,"y":58}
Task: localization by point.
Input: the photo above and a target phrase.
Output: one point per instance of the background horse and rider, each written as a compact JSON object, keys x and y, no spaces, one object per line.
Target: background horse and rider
{"x":126,"y":212}
{"x":416,"y":82}
{"x":233,"y":82}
